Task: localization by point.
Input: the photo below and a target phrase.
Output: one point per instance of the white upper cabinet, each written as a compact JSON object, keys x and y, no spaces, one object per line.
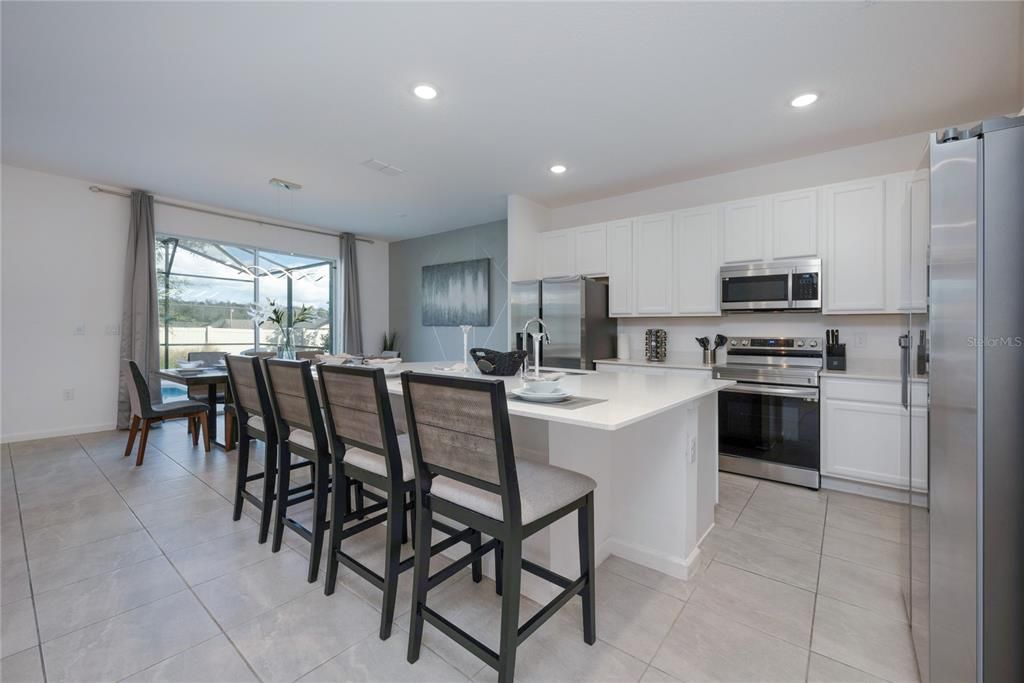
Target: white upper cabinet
{"x":558,"y":253}
{"x":909,"y":217}
{"x":592,"y":250}
{"x":696,"y":261}
{"x":653,"y":264}
{"x":620,"y":268}
{"x":743,"y":228}
{"x":794,"y":224}
{"x":855,"y":236}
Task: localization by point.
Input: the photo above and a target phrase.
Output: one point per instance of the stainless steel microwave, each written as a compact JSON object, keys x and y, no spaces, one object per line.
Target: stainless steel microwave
{"x":772,"y":286}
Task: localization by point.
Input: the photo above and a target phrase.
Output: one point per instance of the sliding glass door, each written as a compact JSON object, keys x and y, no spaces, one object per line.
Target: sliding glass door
{"x":207,"y":291}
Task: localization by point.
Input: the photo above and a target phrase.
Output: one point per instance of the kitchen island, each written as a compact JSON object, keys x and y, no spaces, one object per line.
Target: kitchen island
{"x":651,"y":444}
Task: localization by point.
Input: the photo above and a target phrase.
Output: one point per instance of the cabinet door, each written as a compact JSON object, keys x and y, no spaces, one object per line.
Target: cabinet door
{"x":743,"y":231}
{"x":794,"y":224}
{"x":865,"y":441}
{"x":855,"y":233}
{"x":592,"y":250}
{"x":558,"y":253}
{"x":913,"y":261}
{"x":653,"y":264}
{"x":696,"y":263}
{"x":620,"y":268}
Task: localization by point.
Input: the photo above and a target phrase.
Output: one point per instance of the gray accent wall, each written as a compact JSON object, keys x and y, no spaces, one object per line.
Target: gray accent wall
{"x":407,"y":258}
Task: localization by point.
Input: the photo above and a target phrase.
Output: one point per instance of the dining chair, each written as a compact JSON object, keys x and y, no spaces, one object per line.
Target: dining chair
{"x":365,"y":447}
{"x":202,"y":393}
{"x":466,"y":471}
{"x":145,"y":413}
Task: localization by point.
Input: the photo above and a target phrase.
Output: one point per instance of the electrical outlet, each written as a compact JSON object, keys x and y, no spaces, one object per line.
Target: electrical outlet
{"x":79,"y":330}
{"x":113,"y":330}
{"x":858,"y":341}
{"x":69,"y":394}
{"x":693,"y":449}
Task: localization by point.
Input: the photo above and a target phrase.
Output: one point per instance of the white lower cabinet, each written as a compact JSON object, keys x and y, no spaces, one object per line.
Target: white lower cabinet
{"x":866,"y":436}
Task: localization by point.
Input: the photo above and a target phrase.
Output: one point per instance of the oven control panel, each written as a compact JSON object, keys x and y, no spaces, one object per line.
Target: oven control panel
{"x":770,"y":344}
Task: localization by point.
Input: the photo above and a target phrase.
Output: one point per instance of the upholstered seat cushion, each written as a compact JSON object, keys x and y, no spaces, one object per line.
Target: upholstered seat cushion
{"x":301,"y":437}
{"x":542,"y":490}
{"x":256,"y":422}
{"x":178,"y":408}
{"x":372,"y":462}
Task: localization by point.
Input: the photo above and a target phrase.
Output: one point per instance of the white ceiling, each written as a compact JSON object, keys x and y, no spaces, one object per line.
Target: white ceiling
{"x":206,"y":102}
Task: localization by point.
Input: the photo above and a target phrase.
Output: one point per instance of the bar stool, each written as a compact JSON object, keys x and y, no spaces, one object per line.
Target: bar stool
{"x":365,"y":447}
{"x":300,"y":431}
{"x":255,"y":421}
{"x":466,"y":471}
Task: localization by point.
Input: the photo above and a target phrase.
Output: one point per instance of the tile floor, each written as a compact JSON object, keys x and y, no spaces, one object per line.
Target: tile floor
{"x":111,"y":572}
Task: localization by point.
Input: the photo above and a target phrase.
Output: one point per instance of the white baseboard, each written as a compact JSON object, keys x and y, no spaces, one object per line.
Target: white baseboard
{"x":861,"y":488}
{"x":50,"y":433}
{"x":679,"y":567}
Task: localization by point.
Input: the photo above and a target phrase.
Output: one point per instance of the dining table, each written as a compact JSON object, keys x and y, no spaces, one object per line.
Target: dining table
{"x":210,"y":377}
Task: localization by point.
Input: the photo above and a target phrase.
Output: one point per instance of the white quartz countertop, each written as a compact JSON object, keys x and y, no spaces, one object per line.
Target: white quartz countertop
{"x":628,"y":398}
{"x":688,"y":360}
{"x":870,"y":368}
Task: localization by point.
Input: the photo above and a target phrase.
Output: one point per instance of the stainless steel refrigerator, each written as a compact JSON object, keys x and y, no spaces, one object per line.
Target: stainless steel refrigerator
{"x":964,"y":584}
{"x":575,"y":315}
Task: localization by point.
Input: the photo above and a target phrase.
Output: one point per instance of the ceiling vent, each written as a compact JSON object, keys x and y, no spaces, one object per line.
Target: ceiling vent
{"x":381,"y":167}
{"x":289,"y":185}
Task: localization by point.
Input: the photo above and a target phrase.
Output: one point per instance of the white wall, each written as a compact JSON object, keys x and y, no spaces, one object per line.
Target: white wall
{"x":877,"y":158}
{"x":63,"y":251}
{"x":525,"y":220}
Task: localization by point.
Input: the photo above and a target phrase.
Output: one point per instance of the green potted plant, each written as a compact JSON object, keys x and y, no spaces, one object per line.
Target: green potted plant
{"x":271,"y":312}
{"x":390,"y":347}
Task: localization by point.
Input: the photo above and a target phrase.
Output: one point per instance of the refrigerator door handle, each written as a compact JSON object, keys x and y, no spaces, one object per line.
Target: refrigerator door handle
{"x":905,"y":369}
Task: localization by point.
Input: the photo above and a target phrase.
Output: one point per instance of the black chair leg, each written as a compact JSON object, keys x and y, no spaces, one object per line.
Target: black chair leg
{"x":269,"y":482}
{"x":412,"y":518}
{"x":392,"y":556}
{"x":498,"y":566}
{"x":478,"y":570}
{"x":284,"y":470}
{"x":341,"y":507}
{"x":404,"y":522}
{"x":320,"y":495}
{"x":242,"y":474}
{"x":420,"y":576}
{"x":585,"y":517}
{"x":360,"y":500}
{"x":509,"y":639}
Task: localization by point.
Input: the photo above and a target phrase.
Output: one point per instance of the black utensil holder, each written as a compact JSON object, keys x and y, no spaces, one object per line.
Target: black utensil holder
{"x":835,"y":356}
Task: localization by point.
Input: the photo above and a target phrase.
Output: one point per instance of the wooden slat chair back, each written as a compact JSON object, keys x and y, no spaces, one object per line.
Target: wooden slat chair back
{"x":358,"y":411}
{"x":459,"y":428}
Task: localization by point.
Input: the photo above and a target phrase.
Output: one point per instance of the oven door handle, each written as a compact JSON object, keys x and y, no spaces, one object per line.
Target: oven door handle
{"x":768,"y":390}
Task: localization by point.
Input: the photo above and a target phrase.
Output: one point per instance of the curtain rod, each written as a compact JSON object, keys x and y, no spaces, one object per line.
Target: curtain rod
{"x":222,"y":214}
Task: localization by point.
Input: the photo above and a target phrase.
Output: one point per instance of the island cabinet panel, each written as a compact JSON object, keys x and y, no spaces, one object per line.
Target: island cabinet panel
{"x":696,"y":261}
{"x":558,"y":253}
{"x":652,"y":236}
{"x":743,"y":228}
{"x":592,"y":250}
{"x":620,"y":268}
{"x":794,"y":225}
{"x":855,"y":268}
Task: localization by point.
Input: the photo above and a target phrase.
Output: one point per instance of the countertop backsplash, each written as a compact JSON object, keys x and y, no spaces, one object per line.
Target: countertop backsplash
{"x":866,"y":336}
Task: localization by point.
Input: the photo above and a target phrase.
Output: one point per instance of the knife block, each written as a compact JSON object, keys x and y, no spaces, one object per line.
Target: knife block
{"x":835,"y":356}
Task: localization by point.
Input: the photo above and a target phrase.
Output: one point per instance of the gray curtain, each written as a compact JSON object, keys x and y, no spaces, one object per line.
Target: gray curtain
{"x":351,"y":324}
{"x":139,"y":336}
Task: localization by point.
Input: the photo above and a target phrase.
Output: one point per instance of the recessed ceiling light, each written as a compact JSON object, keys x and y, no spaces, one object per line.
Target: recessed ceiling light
{"x":425,"y":91}
{"x":558,"y":169}
{"x":804,"y":100}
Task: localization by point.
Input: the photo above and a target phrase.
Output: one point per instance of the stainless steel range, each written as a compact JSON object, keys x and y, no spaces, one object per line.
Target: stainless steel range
{"x":769,"y":422}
